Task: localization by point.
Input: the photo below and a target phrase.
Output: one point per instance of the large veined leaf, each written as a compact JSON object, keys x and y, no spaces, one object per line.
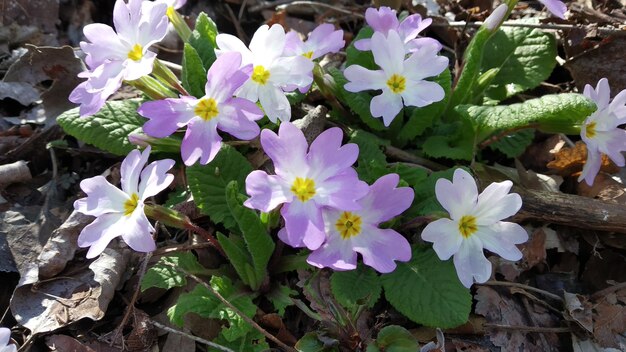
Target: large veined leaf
{"x":165,"y":275}
{"x":194,"y":74}
{"x":108,"y":129}
{"x":356,"y":287}
{"x":359,"y":102}
{"x":203,"y":39}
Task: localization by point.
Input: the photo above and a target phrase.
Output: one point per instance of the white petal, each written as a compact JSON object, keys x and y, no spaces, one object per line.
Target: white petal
{"x":444,"y":233}
{"x":359,"y":79}
{"x":501,"y":237}
{"x":274,"y":103}
{"x":495,"y":203}
{"x":387,"y":105}
{"x":388,"y":52}
{"x":470,"y":262}
{"x":459,"y":196}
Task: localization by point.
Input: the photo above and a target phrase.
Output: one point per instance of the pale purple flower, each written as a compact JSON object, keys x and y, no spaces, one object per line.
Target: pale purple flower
{"x":121,"y":212}
{"x":400,"y":80}
{"x":172,"y":4}
{"x":496,"y":18}
{"x":306,"y":180}
{"x":556,"y":7}
{"x":272,"y":72}
{"x":113,"y":57}
{"x":600,"y":131}
{"x":475,"y":224}
{"x":5,"y":340}
{"x":217,"y":109}
{"x":352,"y":232}
{"x":322,"y":40}
{"x":384,"y":21}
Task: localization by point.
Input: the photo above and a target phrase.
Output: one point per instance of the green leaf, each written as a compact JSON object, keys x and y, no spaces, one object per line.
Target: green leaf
{"x":194,"y":74}
{"x":280,"y":296}
{"x":359,"y":103}
{"x":372,"y":162}
{"x":311,"y":342}
{"x":252,"y":341}
{"x":203,"y":39}
{"x":164,"y":274}
{"x":207,"y":183}
{"x":428,"y":291}
{"x":453,"y":140}
{"x":108,"y":129}
{"x":524,"y":57}
{"x":295,"y":97}
{"x":555,"y":113}
{"x":356,"y":287}
{"x":394,"y":338}
{"x":426,"y":201}
{"x":472,"y":58}
{"x":202,"y":302}
{"x":513,"y":145}
{"x":419,"y":119}
{"x":259,"y":244}
{"x":355,"y":56}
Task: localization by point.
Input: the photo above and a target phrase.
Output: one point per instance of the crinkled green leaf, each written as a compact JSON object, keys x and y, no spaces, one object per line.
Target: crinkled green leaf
{"x":394,"y":338}
{"x":207,"y":183}
{"x":252,"y":341}
{"x":359,"y":102}
{"x":372,"y":162}
{"x":108,"y":129}
{"x":453,"y":140}
{"x":164,"y":274}
{"x":311,"y":342}
{"x":562,"y":113}
{"x":259,"y":244}
{"x":205,"y":304}
{"x":356,"y":287}
{"x":203,"y":39}
{"x":425,"y":202}
{"x":524,"y":57}
{"x":428,"y":291}
{"x":513,"y":145}
{"x":280,"y":296}
{"x":355,"y":56}
{"x":194,"y":74}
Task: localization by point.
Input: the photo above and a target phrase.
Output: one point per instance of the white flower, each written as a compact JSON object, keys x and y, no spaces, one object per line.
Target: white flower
{"x":475,"y":224}
{"x":5,"y":339}
{"x":272,"y":73}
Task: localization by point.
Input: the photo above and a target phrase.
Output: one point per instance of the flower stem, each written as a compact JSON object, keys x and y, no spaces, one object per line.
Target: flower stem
{"x":177,"y":20}
{"x":166,"y":76}
{"x":152,"y":88}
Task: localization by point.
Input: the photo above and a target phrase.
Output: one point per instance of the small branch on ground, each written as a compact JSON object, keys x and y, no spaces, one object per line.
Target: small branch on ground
{"x":189,"y":336}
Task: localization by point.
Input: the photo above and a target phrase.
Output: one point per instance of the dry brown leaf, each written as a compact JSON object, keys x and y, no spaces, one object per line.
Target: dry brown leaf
{"x":534,"y":249}
{"x":64,"y":343}
{"x":578,"y":309}
{"x":570,"y":161}
{"x":609,"y":320}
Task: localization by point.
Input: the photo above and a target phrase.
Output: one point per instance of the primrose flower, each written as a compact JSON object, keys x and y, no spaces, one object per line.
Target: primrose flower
{"x":384,"y":20}
{"x":5,"y":339}
{"x":556,"y":7}
{"x":352,"y":232}
{"x":305,"y":182}
{"x":322,"y":40}
{"x":272,"y":73}
{"x":600,"y":131}
{"x":400,"y":80}
{"x":475,"y":224}
{"x":218,"y":109}
{"x":121,"y":212}
{"x":113,"y":57}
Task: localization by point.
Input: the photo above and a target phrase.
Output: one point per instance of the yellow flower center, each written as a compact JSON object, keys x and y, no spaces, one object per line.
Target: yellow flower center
{"x":590,"y":129}
{"x":207,"y":109}
{"x":467,"y":226}
{"x":260,"y":75}
{"x":131,"y":204}
{"x":303,"y":188}
{"x":396,"y":83}
{"x":308,"y":54}
{"x":348,"y":225}
{"x":170,"y":12}
{"x":136,"y":53}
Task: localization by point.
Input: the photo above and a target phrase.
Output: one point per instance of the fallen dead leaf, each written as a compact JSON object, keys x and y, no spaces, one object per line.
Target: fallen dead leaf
{"x":569,"y":161}
{"x":609,"y":320}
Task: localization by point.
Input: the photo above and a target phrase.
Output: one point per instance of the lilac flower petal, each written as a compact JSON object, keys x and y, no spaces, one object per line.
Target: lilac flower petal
{"x":131,"y":169}
{"x":153,"y":26}
{"x":496,"y":193}
{"x":601,"y":95}
{"x":459,"y":196}
{"x":384,"y":201}
{"x":249,"y":91}
{"x":275,"y":103}
{"x":556,"y":7}
{"x":412,"y":25}
{"x":618,"y":105}
{"x":266,"y":191}
{"x":137,"y":69}
{"x":381,"y":20}
{"x":425,"y":63}
{"x":325,"y":39}
{"x":336,"y":254}
{"x":137,"y":231}
{"x":295,"y":71}
{"x":591,"y":167}
{"x":99,"y":233}
{"x":126,"y":17}
{"x":228,"y":42}
{"x":422,"y":93}
{"x":225,"y":76}
{"x":327,"y":157}
{"x":238,"y":118}
{"x":470,"y":262}
{"x":166,"y":116}
{"x":293,"y":44}
{"x":359,"y":79}
{"x":445,"y":236}
{"x":363,"y":44}
{"x":380,"y":248}
{"x":387,"y":105}
{"x":102,"y":197}
{"x":341,"y":192}
{"x":494,"y":241}
{"x":154,"y":178}
{"x":287,"y":150}
{"x":422,"y":42}
{"x":102,"y":82}
{"x":270,"y":41}
{"x":104,"y":45}
{"x":304,"y":226}
{"x":388,"y":51}
{"x":5,"y":336}
{"x":201,"y":142}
